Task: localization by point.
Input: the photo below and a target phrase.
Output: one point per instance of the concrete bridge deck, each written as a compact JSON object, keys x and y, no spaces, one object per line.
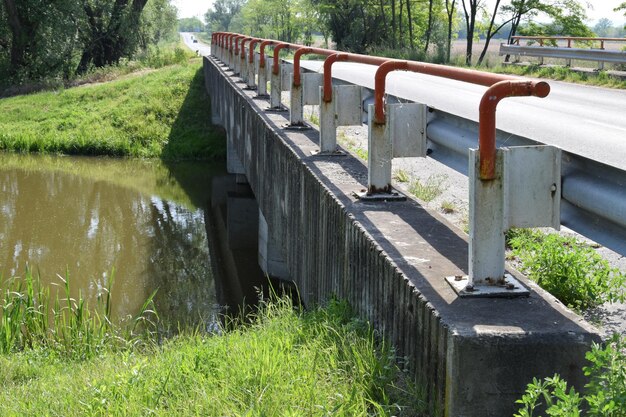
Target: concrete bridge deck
{"x":389,"y":259}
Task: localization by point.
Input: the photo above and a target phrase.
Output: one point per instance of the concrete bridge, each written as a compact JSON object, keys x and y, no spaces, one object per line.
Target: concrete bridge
{"x":472,"y":356}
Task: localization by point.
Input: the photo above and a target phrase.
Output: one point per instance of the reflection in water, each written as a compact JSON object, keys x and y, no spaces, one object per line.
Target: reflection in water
{"x":105,"y":218}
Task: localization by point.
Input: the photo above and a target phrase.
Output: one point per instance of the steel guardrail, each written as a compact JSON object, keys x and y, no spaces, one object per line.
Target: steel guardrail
{"x":599,"y":55}
{"x":593,"y":198}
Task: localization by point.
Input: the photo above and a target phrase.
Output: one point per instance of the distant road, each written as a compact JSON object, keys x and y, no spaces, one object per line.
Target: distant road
{"x":584,"y":120}
{"x":200,"y":47}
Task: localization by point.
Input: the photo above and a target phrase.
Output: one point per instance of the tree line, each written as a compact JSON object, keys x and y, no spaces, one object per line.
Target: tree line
{"x":425,"y":27}
{"x":63,"y":38}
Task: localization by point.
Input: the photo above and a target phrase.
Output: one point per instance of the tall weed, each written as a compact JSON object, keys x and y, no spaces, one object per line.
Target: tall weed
{"x":604,"y":396}
{"x":30,"y":317}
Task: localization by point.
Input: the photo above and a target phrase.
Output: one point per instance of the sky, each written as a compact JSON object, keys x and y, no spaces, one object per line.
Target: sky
{"x":192,"y":8}
{"x":598,"y":9}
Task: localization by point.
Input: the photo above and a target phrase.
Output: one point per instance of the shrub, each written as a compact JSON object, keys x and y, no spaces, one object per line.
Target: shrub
{"x":605,"y":393}
{"x":570,"y":270}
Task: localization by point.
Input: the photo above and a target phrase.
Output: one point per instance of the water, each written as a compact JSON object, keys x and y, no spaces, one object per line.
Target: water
{"x":133,"y":225}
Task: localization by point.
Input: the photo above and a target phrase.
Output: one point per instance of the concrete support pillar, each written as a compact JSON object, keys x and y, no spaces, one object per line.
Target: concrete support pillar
{"x":379,"y":155}
{"x":242,"y":221}
{"x":275,"y":90}
{"x":271,"y":256}
{"x":262,"y":87}
{"x":236,"y":64}
{"x":233,"y":163}
{"x":251,"y":82}
{"x":296,"y":112}
{"x":328,"y":125}
{"x":243,"y":70}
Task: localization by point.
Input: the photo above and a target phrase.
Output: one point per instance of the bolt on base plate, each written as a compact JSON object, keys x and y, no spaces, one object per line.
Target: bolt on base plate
{"x":511,"y":288}
{"x":296,"y":127}
{"x":278,"y":109}
{"x":327,"y":153}
{"x":392,"y":196}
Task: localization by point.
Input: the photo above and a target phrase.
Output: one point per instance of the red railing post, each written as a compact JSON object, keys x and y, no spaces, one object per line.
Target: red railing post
{"x":487,"y":118}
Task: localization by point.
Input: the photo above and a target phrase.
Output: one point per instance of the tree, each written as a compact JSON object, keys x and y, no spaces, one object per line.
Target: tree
{"x":470,"y":9}
{"x":190,"y":24}
{"x":158,"y":23}
{"x":356,"y":25}
{"x":109,"y":32}
{"x":221,"y":15}
{"x":567,"y":19}
{"x":450,"y":13}
{"x":37,"y":36}
{"x":60,"y":38}
{"x":603,"y":27}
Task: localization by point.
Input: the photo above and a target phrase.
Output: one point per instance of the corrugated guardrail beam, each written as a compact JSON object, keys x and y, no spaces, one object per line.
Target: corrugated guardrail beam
{"x":600,"y":55}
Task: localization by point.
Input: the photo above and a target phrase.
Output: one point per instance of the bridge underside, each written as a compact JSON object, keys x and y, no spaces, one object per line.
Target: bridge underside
{"x":473,"y":357}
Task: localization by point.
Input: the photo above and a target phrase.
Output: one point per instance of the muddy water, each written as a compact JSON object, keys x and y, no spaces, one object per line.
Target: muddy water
{"x":130,"y":225}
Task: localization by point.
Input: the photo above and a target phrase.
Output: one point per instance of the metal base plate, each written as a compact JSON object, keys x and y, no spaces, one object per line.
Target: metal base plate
{"x":298,"y":127}
{"x":247,"y":87}
{"x":262,"y":96}
{"x":332,"y":153}
{"x":278,"y":109}
{"x":510,"y":289}
{"x":392,"y":196}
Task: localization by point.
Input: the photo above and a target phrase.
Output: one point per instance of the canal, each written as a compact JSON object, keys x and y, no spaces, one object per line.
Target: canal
{"x":132,"y":225}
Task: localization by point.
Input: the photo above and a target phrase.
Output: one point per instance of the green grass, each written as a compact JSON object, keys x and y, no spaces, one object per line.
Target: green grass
{"x":162,"y":113}
{"x":570,"y":270}
{"x":279,"y":361}
{"x":427,"y":190}
{"x":401,"y":175}
{"x":560,"y":73}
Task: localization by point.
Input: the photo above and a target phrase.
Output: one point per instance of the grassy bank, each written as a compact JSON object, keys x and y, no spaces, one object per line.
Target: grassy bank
{"x":283,"y":361}
{"x":157,"y":113}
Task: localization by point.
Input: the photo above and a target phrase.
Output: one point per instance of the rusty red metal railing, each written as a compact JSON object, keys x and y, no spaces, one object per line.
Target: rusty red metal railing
{"x":500,"y":86}
{"x":328,"y":68}
{"x":305,"y":50}
{"x":264,"y":43}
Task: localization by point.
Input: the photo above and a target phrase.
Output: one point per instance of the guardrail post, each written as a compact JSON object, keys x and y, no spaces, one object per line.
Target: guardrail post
{"x":343,"y":109}
{"x":262,"y":86}
{"x":296,"y":112}
{"x":509,"y":187}
{"x":243,"y":67}
{"x":236,"y":63}
{"x":328,"y":125}
{"x":379,"y":156}
{"x":275,"y":92}
{"x":251,"y":82}
{"x":229,"y":53}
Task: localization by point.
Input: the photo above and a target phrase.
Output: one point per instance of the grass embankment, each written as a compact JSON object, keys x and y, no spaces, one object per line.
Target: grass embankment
{"x":282,"y":361}
{"x":159,"y":113}
{"x":560,"y":73}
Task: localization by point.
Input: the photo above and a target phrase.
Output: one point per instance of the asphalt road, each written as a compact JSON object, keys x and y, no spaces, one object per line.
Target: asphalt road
{"x":199,"y":47}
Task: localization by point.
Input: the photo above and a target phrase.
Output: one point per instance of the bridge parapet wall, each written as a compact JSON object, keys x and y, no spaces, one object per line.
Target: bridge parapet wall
{"x":473,"y":357}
